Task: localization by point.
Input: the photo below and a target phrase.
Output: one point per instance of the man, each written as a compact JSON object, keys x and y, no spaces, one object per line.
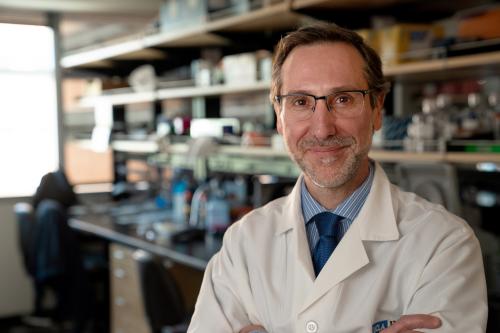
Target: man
{"x":346,"y":251}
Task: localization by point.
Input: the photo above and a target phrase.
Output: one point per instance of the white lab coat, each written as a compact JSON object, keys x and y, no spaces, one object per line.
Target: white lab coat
{"x":401,"y":255}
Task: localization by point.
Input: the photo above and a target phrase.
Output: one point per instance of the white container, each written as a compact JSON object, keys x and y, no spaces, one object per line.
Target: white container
{"x":240,"y":68}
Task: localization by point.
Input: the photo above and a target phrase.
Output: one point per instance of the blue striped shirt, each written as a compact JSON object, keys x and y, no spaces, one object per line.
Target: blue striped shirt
{"x":348,"y":209}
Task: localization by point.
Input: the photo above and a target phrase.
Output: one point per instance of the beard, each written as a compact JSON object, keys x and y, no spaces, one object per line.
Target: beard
{"x":330,"y":171}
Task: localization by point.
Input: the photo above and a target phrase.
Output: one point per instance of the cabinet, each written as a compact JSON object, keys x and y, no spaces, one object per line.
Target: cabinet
{"x":127,"y":308}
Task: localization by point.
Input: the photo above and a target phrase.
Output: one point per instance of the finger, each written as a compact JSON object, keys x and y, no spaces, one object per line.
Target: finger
{"x":400,"y":330}
{"x":419,"y":321}
{"x":407,"y":323}
{"x":250,"y":328}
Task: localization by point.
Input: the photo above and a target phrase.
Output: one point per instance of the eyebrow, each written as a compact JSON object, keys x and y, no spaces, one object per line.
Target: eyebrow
{"x":331,"y":91}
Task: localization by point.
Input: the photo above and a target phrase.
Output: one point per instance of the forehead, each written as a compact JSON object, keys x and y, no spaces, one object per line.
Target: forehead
{"x":323,"y":66}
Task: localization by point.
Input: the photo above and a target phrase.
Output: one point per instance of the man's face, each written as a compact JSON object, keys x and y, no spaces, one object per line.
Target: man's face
{"x":331,"y":151}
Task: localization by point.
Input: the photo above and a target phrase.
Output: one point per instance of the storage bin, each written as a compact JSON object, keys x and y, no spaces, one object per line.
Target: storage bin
{"x":178,"y":14}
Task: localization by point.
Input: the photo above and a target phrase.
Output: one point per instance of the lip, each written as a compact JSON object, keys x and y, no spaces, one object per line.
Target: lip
{"x":332,"y":149}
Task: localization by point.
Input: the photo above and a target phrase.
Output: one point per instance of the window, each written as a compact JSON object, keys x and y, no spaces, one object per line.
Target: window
{"x":28,"y":108}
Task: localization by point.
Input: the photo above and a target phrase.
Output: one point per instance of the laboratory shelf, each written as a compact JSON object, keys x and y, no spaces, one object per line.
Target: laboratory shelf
{"x":275,"y":16}
{"x":266,"y":160}
{"x":130,"y":97}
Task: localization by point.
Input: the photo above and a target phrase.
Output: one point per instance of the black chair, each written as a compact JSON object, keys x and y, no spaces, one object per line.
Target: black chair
{"x":163,"y":302}
{"x":55,"y":186}
{"x":26,"y":239}
{"x":53,"y":260}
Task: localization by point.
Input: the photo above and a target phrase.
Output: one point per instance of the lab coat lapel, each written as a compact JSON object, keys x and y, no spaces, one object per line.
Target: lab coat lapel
{"x":292,"y":225}
{"x":348,"y":257}
{"x":375,"y":222}
{"x":304,"y":267}
{"x":377,"y":218}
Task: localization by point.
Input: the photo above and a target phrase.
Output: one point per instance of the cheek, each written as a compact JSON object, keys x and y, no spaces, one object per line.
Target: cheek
{"x":366,"y":132}
{"x":292,"y":133}
{"x":360,"y":129}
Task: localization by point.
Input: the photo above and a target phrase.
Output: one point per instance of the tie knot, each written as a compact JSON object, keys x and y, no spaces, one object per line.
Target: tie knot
{"x":326,"y":223}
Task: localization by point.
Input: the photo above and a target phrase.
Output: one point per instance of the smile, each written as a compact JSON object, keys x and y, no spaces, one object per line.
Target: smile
{"x":326,"y":149}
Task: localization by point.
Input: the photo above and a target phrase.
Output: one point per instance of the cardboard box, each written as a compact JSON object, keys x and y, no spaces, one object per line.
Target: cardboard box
{"x":371,"y":37}
{"x":399,"y":41}
{"x":245,"y":106}
{"x":480,"y":23}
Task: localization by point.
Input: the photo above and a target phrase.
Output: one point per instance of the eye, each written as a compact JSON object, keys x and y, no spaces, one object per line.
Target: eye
{"x":299,"y":101}
{"x":343,"y":99}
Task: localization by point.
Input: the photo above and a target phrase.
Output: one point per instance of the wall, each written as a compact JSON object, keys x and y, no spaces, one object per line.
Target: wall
{"x":15,"y":286}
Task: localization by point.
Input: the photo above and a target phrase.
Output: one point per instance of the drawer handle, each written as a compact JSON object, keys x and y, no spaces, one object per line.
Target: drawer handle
{"x":118,"y":254}
{"x":119,"y":273}
{"x":119,"y":301}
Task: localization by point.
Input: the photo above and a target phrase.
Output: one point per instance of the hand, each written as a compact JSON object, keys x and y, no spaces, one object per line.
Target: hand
{"x":249,"y":328}
{"x":407,"y":324}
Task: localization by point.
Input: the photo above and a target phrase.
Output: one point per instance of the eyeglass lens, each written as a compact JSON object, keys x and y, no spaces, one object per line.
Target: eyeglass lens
{"x":343,"y":104}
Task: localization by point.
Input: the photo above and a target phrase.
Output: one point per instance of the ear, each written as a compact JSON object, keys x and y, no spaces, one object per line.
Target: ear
{"x":279,"y":121}
{"x":377,"y":112}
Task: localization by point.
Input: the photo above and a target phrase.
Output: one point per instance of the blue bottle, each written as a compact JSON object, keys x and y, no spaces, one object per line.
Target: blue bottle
{"x":179,"y":204}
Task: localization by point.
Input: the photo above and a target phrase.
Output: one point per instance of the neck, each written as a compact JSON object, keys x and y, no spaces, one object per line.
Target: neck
{"x":331,"y":197}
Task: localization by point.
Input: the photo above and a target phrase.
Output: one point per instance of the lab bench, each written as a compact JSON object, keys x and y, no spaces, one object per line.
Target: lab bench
{"x":186,"y":261}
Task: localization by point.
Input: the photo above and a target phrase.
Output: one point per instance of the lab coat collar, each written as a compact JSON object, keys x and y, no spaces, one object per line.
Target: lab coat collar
{"x":377,"y":218}
{"x":293,"y":220}
{"x":376,"y":222}
{"x":378,"y":215}
{"x":292,"y":210}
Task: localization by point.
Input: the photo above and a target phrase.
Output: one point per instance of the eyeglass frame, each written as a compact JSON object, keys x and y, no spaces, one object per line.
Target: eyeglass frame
{"x":278,"y":98}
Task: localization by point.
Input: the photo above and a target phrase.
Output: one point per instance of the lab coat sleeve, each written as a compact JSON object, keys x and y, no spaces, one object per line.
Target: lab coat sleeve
{"x":220,"y":305}
{"x":452,"y":285}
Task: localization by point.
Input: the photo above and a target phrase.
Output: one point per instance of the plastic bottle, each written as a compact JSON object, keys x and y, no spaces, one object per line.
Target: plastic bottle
{"x":217,"y":211}
{"x":494,"y":103}
{"x":236,"y":191}
{"x":241,"y":190}
{"x":179,"y":188}
{"x":198,"y":209}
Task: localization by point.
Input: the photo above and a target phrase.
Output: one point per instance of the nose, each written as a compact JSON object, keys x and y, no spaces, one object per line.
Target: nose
{"x":323,"y":122}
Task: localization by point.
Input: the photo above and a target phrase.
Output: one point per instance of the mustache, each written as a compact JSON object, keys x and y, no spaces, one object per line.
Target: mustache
{"x":332,"y":141}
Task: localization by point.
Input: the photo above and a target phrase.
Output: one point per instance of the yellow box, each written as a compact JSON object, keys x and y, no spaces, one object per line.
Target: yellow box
{"x":371,"y":37}
{"x":397,"y":42}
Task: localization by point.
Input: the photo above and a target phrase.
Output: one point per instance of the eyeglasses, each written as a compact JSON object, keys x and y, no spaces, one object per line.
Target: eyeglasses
{"x":345,"y":104}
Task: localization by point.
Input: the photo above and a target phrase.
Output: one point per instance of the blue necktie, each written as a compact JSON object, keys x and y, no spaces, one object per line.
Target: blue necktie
{"x":327,"y":224}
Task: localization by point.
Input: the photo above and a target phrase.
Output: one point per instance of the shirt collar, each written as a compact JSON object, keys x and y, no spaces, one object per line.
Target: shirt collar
{"x":349,"y":208}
